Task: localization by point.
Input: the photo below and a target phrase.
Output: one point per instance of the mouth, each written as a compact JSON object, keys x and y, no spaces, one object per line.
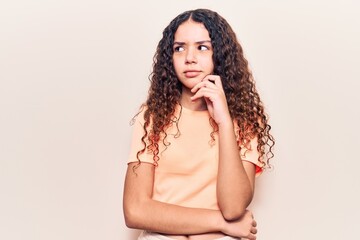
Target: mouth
{"x":192,"y":73}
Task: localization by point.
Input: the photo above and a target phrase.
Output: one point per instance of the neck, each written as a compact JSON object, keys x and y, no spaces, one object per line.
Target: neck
{"x":186,"y":102}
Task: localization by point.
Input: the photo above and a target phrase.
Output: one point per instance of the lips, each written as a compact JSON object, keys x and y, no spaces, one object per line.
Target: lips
{"x":192,"y":73}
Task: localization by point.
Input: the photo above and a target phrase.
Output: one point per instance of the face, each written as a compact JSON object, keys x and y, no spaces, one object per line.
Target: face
{"x":193,"y":52}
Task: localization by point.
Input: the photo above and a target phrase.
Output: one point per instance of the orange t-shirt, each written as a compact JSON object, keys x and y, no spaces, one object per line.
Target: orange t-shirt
{"x":187,"y":168}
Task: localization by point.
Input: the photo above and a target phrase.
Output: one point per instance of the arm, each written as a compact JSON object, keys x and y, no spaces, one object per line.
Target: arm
{"x":235,"y":182}
{"x":142,"y":212}
{"x":235,"y":177}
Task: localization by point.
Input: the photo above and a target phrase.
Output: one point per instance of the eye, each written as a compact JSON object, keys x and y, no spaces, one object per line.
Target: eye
{"x":203,"y":48}
{"x":179,"y":49}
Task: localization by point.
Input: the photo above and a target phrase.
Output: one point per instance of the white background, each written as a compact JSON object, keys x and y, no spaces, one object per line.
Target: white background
{"x":73,"y":73}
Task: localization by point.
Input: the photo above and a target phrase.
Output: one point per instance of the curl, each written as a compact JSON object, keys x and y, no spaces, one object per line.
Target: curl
{"x":245,"y":105}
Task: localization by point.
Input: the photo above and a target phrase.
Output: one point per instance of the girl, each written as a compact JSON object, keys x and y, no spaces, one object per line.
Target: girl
{"x":200,"y":139}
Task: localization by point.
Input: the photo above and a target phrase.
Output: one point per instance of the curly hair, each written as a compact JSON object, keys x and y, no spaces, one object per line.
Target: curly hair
{"x":245,"y":106}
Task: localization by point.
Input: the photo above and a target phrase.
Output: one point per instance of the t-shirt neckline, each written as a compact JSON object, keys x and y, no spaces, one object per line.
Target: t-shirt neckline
{"x":190,"y":111}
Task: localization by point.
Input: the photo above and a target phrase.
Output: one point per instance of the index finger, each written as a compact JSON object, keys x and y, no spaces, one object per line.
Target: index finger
{"x":215,"y":79}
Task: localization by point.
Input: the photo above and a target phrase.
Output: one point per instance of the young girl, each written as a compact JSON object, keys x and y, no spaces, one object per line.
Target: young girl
{"x":200,"y":139}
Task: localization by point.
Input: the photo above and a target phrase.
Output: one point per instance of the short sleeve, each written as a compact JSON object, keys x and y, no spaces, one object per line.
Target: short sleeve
{"x":250,"y":153}
{"x":136,"y":144}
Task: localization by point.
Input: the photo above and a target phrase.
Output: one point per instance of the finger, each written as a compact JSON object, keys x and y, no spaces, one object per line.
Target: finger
{"x":206,"y":83}
{"x":251,"y":237}
{"x":253,"y":230}
{"x":197,"y":87}
{"x":210,"y":84}
{"x":208,"y":104}
{"x":210,"y":78}
{"x":203,"y":92}
{"x":215,"y":79}
{"x":254,"y":223}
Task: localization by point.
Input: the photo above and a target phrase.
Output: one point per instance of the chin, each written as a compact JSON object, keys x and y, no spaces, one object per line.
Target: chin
{"x":190,"y":83}
{"x":193,"y":84}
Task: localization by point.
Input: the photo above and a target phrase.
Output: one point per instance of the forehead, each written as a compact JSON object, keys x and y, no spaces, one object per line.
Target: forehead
{"x":191,"y":31}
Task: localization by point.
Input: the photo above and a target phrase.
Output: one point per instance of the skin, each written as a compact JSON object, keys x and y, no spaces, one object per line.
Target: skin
{"x":201,"y":90}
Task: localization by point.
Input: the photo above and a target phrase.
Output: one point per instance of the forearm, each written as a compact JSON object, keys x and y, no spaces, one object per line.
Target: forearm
{"x":234,"y":190}
{"x":171,"y":219}
{"x":142,"y":212}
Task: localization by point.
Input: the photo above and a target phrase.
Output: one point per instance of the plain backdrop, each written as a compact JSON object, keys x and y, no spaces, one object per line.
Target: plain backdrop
{"x":74,"y":72}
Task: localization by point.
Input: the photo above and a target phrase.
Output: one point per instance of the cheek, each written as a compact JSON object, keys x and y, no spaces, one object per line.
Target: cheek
{"x":176,"y":64}
{"x":210,"y":65}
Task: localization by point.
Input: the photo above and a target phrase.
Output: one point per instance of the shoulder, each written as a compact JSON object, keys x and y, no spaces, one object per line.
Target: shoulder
{"x":139,"y":117}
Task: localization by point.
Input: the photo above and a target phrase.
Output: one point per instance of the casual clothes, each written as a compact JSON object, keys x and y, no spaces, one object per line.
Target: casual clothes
{"x":186,"y":172}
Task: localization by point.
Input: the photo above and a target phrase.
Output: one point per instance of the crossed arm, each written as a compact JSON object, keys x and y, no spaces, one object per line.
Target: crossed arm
{"x":142,"y":212}
{"x":235,"y":186}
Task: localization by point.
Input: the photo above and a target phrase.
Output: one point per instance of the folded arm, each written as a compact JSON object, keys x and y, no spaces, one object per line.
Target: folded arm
{"x":142,"y":212}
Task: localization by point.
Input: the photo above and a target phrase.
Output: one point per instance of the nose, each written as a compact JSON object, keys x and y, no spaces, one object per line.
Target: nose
{"x":190,"y":56}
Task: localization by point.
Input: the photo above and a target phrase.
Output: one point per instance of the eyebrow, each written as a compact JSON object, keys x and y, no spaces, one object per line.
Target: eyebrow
{"x":199,"y":42}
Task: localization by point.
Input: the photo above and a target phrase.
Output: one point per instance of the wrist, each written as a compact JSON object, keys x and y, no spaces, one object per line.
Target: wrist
{"x":226,"y":123}
{"x":220,"y":223}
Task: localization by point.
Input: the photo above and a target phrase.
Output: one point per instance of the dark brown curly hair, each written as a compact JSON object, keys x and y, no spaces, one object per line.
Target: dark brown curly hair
{"x":244,"y":103}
